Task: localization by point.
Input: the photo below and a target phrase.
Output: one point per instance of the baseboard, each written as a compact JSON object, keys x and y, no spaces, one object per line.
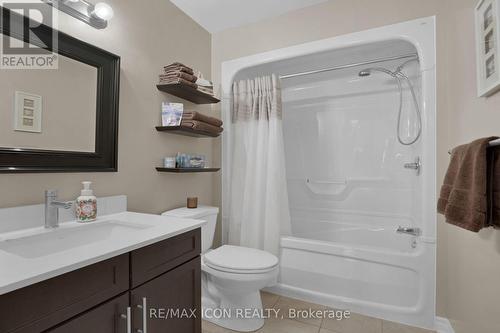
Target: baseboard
{"x":443,"y":325}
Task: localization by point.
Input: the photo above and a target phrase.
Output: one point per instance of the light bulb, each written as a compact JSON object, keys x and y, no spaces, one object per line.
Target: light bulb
{"x":103,"y":11}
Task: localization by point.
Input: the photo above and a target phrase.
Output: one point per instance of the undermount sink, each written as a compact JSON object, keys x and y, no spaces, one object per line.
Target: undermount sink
{"x":53,"y":241}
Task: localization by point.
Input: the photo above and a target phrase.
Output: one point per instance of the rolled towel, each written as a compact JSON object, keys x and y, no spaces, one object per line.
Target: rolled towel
{"x":201,"y":126}
{"x":194,"y":115}
{"x":463,"y":199}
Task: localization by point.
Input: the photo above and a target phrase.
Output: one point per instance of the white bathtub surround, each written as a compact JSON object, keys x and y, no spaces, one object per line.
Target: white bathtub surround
{"x":258,"y":202}
{"x":348,"y":188}
{"x":37,"y":254}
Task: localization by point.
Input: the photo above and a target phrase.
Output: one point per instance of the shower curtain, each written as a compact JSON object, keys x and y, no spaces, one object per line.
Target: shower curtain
{"x":258,"y":207}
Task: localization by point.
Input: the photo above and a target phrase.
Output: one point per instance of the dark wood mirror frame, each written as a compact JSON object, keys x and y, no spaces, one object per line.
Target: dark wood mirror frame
{"x":105,"y":157}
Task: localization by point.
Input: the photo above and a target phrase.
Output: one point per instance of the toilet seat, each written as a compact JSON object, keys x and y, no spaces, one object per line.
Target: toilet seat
{"x":241,"y":260}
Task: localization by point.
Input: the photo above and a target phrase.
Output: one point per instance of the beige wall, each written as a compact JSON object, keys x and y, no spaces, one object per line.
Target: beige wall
{"x":468,"y":264}
{"x":146,"y":36}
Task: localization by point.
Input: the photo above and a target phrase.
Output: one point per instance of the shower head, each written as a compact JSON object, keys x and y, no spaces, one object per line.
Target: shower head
{"x":368,"y":71}
{"x":399,"y":76}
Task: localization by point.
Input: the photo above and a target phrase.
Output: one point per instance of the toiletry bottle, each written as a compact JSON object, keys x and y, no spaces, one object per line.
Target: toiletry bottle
{"x":86,"y":204}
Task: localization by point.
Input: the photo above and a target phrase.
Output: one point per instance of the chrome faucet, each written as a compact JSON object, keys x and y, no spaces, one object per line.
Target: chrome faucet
{"x":52,"y":209}
{"x":409,"y":231}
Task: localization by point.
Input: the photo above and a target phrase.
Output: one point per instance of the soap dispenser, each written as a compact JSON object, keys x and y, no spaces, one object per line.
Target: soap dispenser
{"x":86,"y":204}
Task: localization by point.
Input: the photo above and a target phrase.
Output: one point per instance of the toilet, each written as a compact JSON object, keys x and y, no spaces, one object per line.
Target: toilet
{"x":232,"y":276}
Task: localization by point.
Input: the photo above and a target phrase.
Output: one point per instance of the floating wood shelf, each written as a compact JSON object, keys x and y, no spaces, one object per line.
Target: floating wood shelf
{"x":187,"y":170}
{"x":186,"y":131}
{"x":187,"y":93}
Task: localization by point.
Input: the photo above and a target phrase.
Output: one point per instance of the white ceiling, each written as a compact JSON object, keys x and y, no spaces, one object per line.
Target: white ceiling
{"x":218,"y":15}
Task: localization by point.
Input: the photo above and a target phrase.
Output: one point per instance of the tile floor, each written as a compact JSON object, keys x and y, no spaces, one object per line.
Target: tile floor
{"x":355,"y":324}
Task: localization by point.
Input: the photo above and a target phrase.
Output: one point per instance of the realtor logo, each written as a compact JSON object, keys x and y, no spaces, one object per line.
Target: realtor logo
{"x":30,"y":43}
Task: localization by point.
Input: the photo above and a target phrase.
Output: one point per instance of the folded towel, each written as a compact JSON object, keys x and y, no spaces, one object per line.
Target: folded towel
{"x":177,"y":66}
{"x":463,"y":199}
{"x":193,"y":115}
{"x":176,"y":74}
{"x":178,"y":81}
{"x":201,"y":126}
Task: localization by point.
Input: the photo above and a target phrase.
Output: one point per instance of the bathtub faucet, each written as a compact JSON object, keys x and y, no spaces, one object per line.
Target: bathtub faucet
{"x":409,"y":231}
{"x":414,"y":166}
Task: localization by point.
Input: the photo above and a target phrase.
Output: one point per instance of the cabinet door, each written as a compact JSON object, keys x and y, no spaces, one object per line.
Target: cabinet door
{"x":173,"y":301}
{"x":109,"y":317}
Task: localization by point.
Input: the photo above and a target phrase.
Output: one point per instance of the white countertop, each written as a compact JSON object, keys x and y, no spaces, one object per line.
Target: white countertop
{"x":21,"y":266}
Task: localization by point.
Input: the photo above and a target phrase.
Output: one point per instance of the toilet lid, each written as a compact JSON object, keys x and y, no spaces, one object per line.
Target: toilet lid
{"x":238,"y":258}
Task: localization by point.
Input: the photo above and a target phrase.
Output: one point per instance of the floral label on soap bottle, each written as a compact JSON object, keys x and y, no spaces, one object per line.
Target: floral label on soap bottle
{"x":86,"y":210}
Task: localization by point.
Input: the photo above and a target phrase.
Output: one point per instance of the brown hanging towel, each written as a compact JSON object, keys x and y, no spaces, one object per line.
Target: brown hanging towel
{"x":463,"y":198}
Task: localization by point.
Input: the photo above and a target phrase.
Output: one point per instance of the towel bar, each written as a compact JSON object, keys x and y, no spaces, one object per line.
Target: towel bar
{"x":493,"y":143}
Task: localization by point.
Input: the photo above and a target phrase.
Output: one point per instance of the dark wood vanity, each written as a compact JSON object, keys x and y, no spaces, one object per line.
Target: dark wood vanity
{"x":132,"y":292}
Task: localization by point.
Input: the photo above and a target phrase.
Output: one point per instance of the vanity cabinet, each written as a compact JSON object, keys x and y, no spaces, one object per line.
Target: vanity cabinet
{"x":109,"y":317}
{"x":48,"y":303}
{"x":178,"y":290}
{"x":156,"y":285}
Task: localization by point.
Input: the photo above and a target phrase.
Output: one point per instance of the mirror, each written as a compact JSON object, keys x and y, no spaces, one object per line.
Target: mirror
{"x":55,"y":116}
{"x":62,"y":119}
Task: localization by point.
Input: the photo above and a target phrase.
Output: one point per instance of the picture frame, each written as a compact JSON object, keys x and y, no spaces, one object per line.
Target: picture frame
{"x":487,"y":21}
{"x":27,"y":112}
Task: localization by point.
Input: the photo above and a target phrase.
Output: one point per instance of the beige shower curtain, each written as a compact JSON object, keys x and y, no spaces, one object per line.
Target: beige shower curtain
{"x":259,"y":212}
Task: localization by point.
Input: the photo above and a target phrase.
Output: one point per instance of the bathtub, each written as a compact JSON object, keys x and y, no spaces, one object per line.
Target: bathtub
{"x":372,"y":279}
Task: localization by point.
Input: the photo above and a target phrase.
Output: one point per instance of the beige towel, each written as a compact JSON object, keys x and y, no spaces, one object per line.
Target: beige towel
{"x":201,"y":126}
{"x":179,"y":67}
{"x":193,"y":115}
{"x":176,"y":74}
{"x":179,"y":81}
{"x":463,"y":198}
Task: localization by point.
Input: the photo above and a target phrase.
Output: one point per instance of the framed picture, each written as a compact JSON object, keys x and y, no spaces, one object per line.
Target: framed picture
{"x":487,"y":18}
{"x":28,"y":112}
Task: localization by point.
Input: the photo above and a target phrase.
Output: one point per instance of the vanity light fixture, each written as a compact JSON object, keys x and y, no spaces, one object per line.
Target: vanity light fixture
{"x":102,"y":11}
{"x":96,"y":15}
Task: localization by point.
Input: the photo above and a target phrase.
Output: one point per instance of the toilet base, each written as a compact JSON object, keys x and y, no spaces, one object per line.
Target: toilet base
{"x":232,"y":300}
{"x":241,"y":312}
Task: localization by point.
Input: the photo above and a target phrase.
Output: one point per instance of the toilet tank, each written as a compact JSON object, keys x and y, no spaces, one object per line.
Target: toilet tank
{"x":205,"y":213}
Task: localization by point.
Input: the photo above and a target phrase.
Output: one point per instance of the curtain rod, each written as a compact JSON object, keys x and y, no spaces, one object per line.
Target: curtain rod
{"x":369,"y":62}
